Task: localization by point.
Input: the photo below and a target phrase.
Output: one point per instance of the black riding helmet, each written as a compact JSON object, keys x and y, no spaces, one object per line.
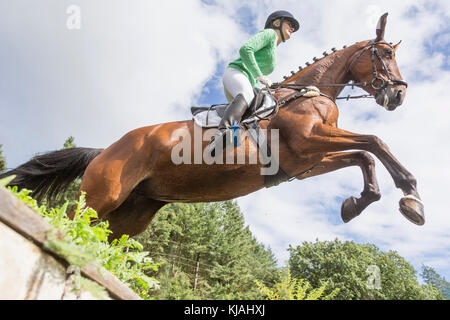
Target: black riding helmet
{"x":282,"y":15}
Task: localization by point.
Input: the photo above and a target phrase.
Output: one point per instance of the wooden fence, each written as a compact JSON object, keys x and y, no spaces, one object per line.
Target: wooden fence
{"x":28,"y":271}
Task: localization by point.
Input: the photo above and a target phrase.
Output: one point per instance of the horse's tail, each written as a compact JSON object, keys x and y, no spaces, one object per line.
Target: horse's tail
{"x":50,"y":173}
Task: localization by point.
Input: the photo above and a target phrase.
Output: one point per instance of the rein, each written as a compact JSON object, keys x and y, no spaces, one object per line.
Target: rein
{"x":377,"y":83}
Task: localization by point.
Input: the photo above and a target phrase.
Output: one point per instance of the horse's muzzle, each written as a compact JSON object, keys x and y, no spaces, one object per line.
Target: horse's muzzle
{"x":391,"y":97}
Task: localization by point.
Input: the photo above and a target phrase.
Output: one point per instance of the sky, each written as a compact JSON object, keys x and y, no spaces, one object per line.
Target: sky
{"x":133,"y":64}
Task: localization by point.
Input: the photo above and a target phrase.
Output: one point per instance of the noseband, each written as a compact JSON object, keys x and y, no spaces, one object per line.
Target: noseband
{"x":377,"y":82}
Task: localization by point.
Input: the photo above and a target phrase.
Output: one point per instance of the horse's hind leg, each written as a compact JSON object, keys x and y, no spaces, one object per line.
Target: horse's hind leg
{"x":111,"y":177}
{"x":133,"y":216}
{"x":352,"y":206}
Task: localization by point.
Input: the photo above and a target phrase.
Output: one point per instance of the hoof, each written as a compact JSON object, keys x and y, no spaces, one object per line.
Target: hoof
{"x":348,"y":209}
{"x":412,"y":209}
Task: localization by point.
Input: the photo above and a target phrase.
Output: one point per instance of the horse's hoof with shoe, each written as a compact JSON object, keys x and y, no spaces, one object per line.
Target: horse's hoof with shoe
{"x":348,"y":209}
{"x":412,"y":209}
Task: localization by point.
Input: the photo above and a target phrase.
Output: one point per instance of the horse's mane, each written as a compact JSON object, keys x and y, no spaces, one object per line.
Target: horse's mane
{"x":310,"y":65}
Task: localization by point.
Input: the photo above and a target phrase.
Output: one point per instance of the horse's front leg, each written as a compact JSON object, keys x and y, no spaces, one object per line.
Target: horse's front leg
{"x":325,"y":138}
{"x":352,"y":206}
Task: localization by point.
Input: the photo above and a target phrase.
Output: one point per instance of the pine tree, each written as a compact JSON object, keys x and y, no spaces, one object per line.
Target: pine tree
{"x":69,"y":143}
{"x":71,"y":193}
{"x":208,"y":253}
{"x":2,"y":160}
{"x":432,"y":278}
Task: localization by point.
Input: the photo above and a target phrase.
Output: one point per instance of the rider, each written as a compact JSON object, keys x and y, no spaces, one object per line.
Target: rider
{"x":257,"y":60}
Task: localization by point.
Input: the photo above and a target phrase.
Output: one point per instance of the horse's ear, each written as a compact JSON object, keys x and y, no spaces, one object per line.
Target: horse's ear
{"x":396,"y":46}
{"x":381,"y":26}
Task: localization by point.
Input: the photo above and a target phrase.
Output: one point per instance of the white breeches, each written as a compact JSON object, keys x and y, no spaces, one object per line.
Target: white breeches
{"x":235,"y":82}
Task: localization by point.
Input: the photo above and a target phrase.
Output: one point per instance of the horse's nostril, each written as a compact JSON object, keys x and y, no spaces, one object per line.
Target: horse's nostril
{"x":399,"y":95}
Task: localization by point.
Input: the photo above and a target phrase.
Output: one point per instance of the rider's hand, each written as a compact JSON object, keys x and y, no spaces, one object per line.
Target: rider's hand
{"x":265,"y":81}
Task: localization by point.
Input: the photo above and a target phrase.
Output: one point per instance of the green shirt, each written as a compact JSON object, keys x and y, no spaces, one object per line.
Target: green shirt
{"x":257,"y":55}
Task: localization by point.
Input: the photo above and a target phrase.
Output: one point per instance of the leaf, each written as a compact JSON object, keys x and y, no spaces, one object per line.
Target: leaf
{"x":85,"y":241}
{"x":75,"y":255}
{"x":94,"y":288}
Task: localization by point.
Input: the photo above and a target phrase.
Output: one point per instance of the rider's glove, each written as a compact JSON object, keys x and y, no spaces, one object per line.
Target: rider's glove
{"x":265,"y":81}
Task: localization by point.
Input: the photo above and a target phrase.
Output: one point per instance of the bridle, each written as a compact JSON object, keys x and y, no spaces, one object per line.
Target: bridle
{"x":377,"y":83}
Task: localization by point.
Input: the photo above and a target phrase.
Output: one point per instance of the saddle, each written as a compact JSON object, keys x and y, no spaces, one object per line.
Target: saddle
{"x":262,"y":105}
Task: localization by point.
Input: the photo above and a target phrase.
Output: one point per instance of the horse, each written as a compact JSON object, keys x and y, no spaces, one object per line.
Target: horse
{"x":129,"y":181}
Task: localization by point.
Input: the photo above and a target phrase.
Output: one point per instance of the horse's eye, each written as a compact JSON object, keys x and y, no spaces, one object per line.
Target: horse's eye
{"x":388,"y":53}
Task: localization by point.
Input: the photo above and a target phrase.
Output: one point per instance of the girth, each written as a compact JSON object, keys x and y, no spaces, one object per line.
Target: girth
{"x":260,"y":138}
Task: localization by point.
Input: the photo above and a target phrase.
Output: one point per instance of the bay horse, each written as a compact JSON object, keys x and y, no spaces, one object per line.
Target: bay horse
{"x":128,"y":182}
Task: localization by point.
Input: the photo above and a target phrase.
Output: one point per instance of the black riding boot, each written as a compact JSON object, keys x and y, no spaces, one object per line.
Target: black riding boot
{"x":233,"y":112}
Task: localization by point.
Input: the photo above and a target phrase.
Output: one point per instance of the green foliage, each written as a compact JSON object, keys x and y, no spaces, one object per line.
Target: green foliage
{"x":70,"y":195}
{"x":74,"y":254}
{"x":69,"y":143}
{"x":359,"y":271}
{"x":431,"y":293}
{"x":433,"y":279}
{"x":295,"y":289}
{"x":208,"y":252}
{"x":2,"y":160}
{"x":94,"y":288}
{"x":85,"y":240}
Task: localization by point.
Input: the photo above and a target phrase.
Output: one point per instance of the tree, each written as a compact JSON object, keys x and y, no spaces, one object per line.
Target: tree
{"x":295,"y":289}
{"x":69,"y":143}
{"x":359,"y":271}
{"x":71,"y":193}
{"x":208,"y":253}
{"x":2,"y":160}
{"x":432,"y":278}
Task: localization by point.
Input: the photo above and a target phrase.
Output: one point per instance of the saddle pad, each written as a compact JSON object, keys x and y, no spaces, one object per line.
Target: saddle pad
{"x":210,"y":117}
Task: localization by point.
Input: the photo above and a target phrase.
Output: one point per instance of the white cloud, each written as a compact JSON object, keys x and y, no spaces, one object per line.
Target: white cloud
{"x":128,"y":66}
{"x":143,"y":63}
{"x":416,"y":133}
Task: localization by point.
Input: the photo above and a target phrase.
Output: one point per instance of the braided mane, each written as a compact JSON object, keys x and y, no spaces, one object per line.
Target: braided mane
{"x":296,"y":74}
